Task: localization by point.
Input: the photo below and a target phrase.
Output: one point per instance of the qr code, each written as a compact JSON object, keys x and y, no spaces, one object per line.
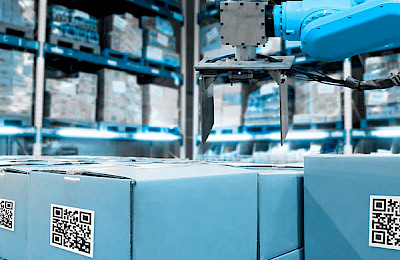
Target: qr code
{"x":72,"y":229}
{"x":7,"y":214}
{"x":384,"y":222}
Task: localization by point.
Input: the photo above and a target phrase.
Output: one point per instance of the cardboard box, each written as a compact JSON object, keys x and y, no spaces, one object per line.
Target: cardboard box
{"x":13,"y":203}
{"x":339,"y":200}
{"x":72,"y":98}
{"x":148,"y":211}
{"x":230,"y":103}
{"x":120,"y":98}
{"x":317,"y":102}
{"x":16,"y":83}
{"x":122,"y":33}
{"x":280,"y":195}
{"x":160,"y":105}
{"x":264,"y":105}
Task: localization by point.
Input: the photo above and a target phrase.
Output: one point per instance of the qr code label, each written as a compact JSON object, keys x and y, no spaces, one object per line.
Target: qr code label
{"x":384,"y":222}
{"x":72,"y":229}
{"x":7,"y":214}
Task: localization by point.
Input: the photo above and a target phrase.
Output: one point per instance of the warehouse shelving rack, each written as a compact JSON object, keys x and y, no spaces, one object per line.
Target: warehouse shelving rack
{"x":44,"y":50}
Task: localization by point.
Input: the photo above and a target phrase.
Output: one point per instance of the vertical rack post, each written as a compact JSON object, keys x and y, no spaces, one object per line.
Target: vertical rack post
{"x":348,"y":109}
{"x":39,"y":78}
{"x":196,"y":89}
{"x":183,"y":93}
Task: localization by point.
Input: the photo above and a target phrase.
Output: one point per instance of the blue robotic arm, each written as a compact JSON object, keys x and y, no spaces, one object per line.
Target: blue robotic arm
{"x":329,"y":30}
{"x":332,"y":30}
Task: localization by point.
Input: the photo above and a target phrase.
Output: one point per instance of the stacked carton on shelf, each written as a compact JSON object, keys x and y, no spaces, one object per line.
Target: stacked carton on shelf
{"x":72,"y":98}
{"x":122,"y":33}
{"x":16,"y":83}
{"x":230,"y":103}
{"x":264,"y":105}
{"x":120,"y":98}
{"x":317,"y":103}
{"x":160,"y":41}
{"x":18,"y":12}
{"x":160,"y":105}
{"x":382,"y":103}
{"x":72,"y":26}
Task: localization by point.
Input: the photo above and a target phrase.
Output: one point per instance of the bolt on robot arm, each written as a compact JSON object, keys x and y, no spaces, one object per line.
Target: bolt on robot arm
{"x":329,"y":30}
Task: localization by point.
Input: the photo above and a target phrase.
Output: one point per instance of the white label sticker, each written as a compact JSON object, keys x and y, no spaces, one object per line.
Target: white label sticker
{"x":112,"y":62}
{"x":72,"y":229}
{"x":376,"y":98}
{"x":154,"y":53}
{"x":7,"y":214}
{"x":162,"y":39}
{"x":155,"y":71}
{"x":212,"y":34}
{"x":81,"y":14}
{"x":68,"y":88}
{"x":119,"y":87}
{"x":120,"y":23}
{"x":384,"y":222}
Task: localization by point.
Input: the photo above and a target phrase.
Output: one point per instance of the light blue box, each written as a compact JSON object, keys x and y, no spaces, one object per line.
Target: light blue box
{"x":337,"y":205}
{"x":151,"y":211}
{"x":294,"y":255}
{"x":13,"y":238}
{"x":280,"y":212}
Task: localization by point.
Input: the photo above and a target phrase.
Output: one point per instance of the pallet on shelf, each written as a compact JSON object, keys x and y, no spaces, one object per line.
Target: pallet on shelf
{"x":338,"y":124}
{"x":379,"y":122}
{"x":49,"y":122}
{"x":110,"y":53}
{"x":168,"y":5}
{"x":163,"y":66}
{"x":15,"y":120}
{"x":261,"y":129}
{"x":17,"y":30}
{"x":157,"y":129}
{"x":70,"y":43}
{"x":119,"y":127}
{"x":110,"y":62}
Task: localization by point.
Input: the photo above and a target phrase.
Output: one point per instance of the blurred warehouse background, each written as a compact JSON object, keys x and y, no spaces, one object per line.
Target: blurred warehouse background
{"x":102,"y":78}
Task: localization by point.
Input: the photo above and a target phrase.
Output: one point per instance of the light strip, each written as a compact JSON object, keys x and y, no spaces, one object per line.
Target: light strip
{"x":297,"y":135}
{"x":156,"y":137}
{"x":230,"y":138}
{"x":86,"y":133}
{"x":8,"y":130}
{"x":386,"y":133}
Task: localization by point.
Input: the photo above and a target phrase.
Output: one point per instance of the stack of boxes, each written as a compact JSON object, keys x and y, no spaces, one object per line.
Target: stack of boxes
{"x":317,"y":103}
{"x":150,"y":209}
{"x":72,"y":98}
{"x":18,"y":12}
{"x":160,"y":41}
{"x":160,"y":105}
{"x":120,"y":98}
{"x":382,"y":103}
{"x":210,"y":37}
{"x":16,"y":83}
{"x":122,"y":33}
{"x":72,"y":25}
{"x":230,"y":103}
{"x":264,"y":105}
